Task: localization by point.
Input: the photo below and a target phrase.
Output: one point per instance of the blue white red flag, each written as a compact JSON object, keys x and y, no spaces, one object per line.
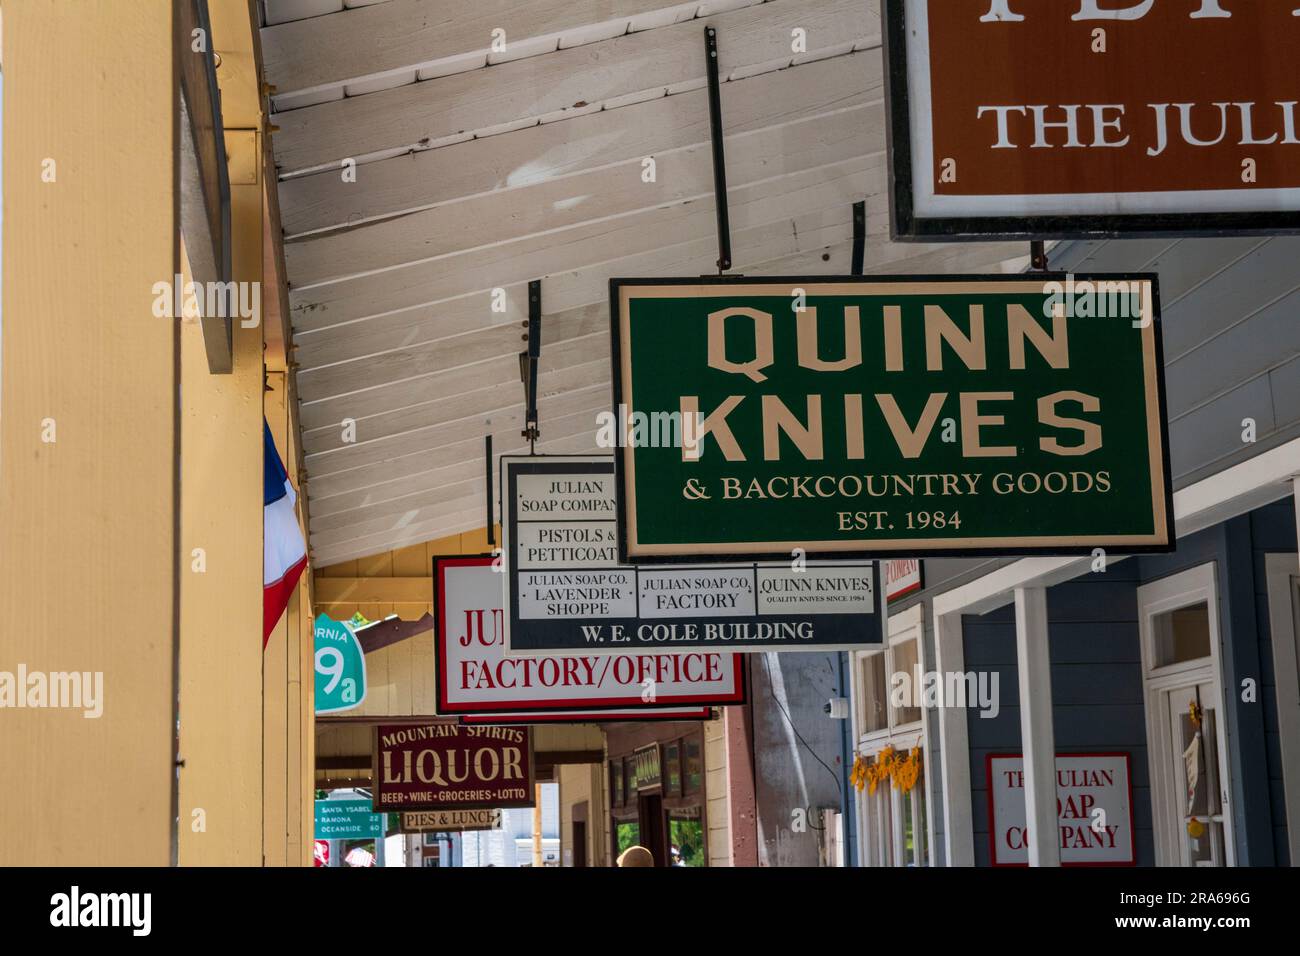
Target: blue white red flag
{"x":284,"y":552}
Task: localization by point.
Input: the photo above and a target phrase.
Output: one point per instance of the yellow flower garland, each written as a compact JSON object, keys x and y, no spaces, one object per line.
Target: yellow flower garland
{"x":907,"y":770}
{"x":858,"y":776}
{"x":901,"y":770}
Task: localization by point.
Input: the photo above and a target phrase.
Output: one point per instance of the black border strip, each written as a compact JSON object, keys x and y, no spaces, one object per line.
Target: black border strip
{"x":544,"y":720}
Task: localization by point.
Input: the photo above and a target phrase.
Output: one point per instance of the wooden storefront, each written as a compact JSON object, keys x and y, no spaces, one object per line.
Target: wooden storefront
{"x":656,"y":792}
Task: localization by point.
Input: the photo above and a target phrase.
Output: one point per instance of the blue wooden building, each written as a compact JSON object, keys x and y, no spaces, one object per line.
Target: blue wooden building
{"x":1157,"y":696}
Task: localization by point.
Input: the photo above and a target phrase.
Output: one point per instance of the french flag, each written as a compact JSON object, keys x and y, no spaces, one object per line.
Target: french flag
{"x":284,"y":553}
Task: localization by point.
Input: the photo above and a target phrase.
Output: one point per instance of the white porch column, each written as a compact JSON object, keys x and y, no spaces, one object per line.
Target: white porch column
{"x":1037,"y":735}
{"x":954,"y":749}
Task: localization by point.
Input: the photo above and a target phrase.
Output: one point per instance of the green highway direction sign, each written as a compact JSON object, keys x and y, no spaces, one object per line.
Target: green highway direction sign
{"x":340,"y":667}
{"x":921,"y":416}
{"x":348,"y":820}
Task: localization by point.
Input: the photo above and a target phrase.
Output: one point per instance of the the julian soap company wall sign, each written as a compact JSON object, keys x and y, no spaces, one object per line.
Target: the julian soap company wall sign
{"x":1024,"y":118}
{"x":566,"y":592}
{"x":476,"y":677}
{"x":914,"y":416}
{"x":448,"y":767}
{"x":1094,"y":799}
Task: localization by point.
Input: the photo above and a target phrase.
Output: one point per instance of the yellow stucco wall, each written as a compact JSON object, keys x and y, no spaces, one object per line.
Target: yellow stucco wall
{"x":88,"y":436}
{"x":101,"y":466}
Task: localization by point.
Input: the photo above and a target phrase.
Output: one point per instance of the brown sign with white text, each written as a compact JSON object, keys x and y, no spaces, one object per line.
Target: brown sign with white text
{"x":443,"y":766}
{"x":1096,"y":108}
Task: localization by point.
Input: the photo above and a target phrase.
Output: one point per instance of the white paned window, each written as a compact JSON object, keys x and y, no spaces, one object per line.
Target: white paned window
{"x":893,"y":826}
{"x":1187,"y":749}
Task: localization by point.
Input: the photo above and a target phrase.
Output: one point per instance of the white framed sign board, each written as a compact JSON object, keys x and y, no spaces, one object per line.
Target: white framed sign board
{"x":566,"y":592}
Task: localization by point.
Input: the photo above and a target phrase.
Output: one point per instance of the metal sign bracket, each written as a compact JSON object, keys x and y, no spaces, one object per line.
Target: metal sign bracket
{"x":528,"y":362}
{"x":719,"y":158}
{"x":859,"y":238}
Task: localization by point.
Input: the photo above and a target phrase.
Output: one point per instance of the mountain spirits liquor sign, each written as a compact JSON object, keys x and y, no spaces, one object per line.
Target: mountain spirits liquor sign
{"x":914,"y":416}
{"x":443,"y":766}
{"x":567,"y":593}
{"x":1076,"y":117}
{"x":475,"y":677}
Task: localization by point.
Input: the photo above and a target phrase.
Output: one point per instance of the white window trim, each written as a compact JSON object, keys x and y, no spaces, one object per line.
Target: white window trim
{"x":904,"y":626}
{"x":1280,"y":571}
{"x":1184,"y":589}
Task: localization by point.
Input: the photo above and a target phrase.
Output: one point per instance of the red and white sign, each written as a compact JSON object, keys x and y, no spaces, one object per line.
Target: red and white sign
{"x":1094,"y":801}
{"x":476,"y":677}
{"x":902,"y":577}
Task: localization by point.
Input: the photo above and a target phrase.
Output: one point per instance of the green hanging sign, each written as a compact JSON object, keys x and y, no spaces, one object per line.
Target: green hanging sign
{"x":777,"y":418}
{"x":340,"y":667}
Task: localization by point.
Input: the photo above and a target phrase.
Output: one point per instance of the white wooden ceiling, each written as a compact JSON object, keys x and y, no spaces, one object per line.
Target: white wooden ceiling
{"x":479,"y":170}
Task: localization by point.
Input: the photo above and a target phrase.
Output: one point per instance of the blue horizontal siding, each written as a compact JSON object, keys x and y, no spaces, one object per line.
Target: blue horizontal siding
{"x":1096,"y":688}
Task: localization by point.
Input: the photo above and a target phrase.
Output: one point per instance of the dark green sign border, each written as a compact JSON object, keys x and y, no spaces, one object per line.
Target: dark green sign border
{"x":712,"y":553}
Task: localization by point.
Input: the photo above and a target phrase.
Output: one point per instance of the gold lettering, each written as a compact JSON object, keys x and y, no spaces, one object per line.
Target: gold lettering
{"x":972,"y":421}
{"x":911,"y":441}
{"x":778,"y":418}
{"x":939,"y":328}
{"x":809,"y":357}
{"x":388,"y":769}
{"x":762,"y":343}
{"x":853,"y":431}
{"x":429,"y":776}
{"x":893,"y":338}
{"x":694,"y":428}
{"x":1055,"y":348}
{"x":1091,"y":430}
{"x":489,"y":757}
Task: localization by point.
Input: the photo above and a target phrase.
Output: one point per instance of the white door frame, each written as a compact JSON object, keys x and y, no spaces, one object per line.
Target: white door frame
{"x":1184,"y":589}
{"x":1281,"y":573}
